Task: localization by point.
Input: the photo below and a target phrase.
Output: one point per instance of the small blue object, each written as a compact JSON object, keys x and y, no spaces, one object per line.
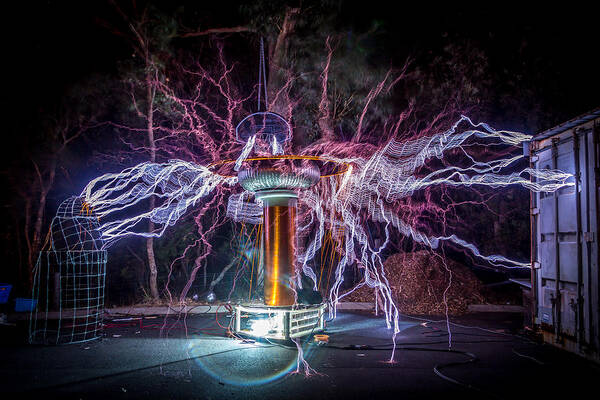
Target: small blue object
{"x":4,"y":292}
{"x":22,"y":304}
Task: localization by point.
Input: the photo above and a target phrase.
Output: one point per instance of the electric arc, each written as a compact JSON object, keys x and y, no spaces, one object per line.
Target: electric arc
{"x":333,"y":190}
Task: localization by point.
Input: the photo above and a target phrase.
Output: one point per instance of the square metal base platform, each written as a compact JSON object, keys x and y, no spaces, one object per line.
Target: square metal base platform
{"x":283,"y":323}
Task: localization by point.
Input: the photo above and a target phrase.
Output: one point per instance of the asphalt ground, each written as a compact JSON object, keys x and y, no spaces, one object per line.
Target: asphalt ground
{"x":196,"y":360}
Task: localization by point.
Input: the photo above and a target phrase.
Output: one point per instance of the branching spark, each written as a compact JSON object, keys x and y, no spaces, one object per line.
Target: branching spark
{"x":370,"y":189}
{"x":179,"y":185}
{"x":376,"y":188}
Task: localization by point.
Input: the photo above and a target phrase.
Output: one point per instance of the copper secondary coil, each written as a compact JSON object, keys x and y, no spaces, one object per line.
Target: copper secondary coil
{"x":279,"y":253}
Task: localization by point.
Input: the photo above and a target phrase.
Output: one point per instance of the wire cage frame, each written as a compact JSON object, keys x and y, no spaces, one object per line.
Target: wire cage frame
{"x":69,"y":279}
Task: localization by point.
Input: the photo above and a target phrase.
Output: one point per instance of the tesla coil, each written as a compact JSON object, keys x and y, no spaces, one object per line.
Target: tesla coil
{"x":277,"y":186}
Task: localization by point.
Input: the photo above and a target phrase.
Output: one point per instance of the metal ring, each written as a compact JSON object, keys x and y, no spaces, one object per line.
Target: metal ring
{"x":287,"y":157}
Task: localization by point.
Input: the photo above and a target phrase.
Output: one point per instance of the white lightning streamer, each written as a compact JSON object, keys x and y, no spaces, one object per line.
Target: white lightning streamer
{"x":245,"y":152}
{"x":176,"y":186}
{"x":368,"y":190}
{"x":240,"y":210}
{"x":276,"y":147}
{"x":375,"y":183}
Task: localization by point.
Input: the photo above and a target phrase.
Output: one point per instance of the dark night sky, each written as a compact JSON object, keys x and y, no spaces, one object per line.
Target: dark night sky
{"x":53,"y":44}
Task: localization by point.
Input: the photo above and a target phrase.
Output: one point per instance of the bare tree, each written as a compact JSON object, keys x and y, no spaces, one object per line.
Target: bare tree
{"x":141,"y":41}
{"x":35,"y":183}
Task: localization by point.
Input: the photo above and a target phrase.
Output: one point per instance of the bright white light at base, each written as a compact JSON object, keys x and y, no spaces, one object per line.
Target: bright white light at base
{"x":270,"y":326}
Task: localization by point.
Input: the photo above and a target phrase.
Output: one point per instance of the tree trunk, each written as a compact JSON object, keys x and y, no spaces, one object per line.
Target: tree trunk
{"x":26,"y":233}
{"x":150,"y":241}
{"x":39,"y":220}
{"x":277,"y":54}
{"x":152,"y":280}
{"x":222,"y":274}
{"x":34,"y":238}
{"x":21,"y":274}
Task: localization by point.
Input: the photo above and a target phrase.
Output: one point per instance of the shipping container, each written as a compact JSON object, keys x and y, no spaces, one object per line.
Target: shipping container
{"x":564,"y":238}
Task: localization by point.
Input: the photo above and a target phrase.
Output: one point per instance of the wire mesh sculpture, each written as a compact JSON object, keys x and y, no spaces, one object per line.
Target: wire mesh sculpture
{"x":69,"y":278}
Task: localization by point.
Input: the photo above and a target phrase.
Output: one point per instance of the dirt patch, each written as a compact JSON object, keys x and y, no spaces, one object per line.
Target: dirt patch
{"x":418,"y":281}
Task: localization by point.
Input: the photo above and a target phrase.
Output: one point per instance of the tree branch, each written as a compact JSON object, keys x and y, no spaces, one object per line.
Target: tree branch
{"x":234,"y":29}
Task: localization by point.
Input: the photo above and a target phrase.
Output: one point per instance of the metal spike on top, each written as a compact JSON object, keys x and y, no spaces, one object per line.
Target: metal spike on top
{"x":265,"y":125}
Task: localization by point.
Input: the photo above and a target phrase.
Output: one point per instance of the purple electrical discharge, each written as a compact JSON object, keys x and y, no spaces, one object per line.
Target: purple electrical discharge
{"x":370,"y":187}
